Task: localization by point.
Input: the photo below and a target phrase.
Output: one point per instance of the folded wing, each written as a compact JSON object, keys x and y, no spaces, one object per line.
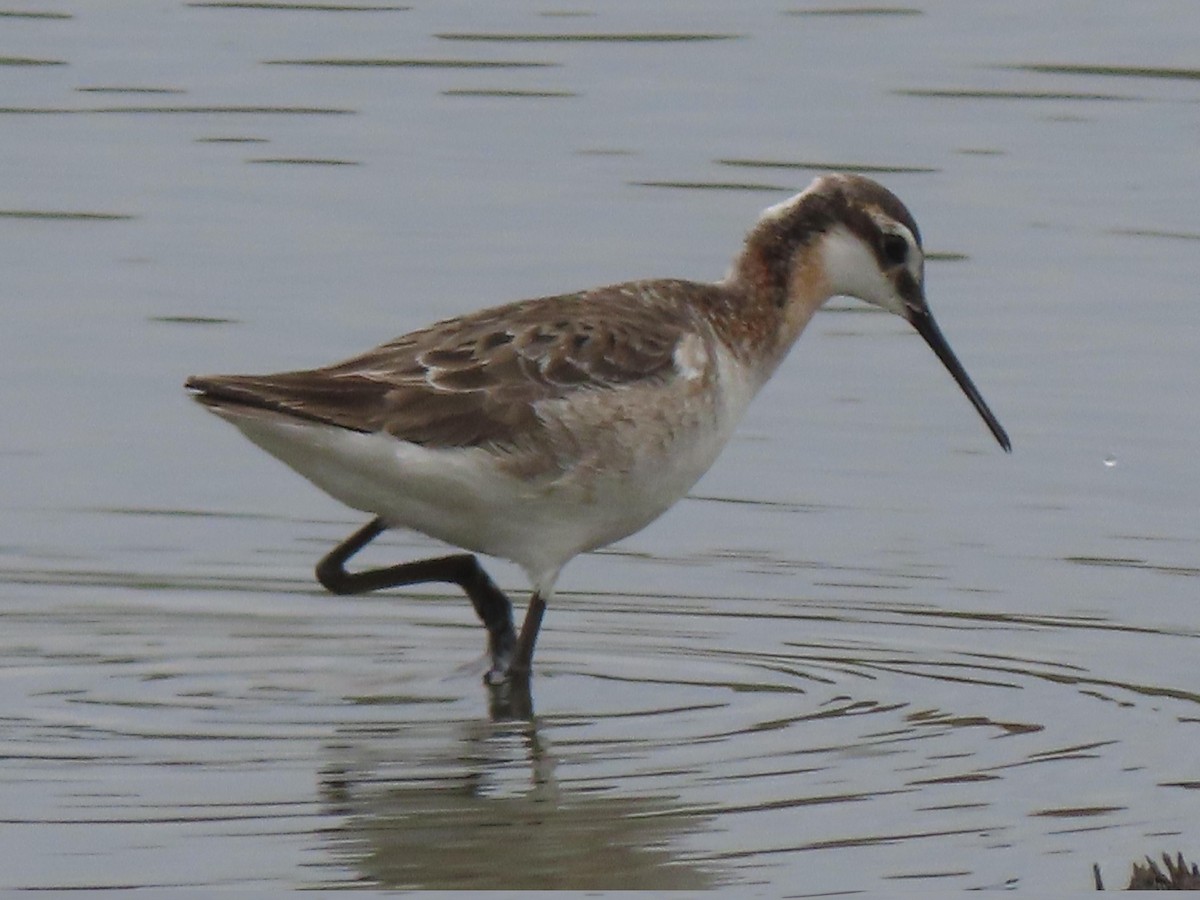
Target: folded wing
{"x":477,"y":379}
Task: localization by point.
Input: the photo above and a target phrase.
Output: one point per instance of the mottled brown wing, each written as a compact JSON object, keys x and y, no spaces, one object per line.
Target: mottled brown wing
{"x":477,"y":379}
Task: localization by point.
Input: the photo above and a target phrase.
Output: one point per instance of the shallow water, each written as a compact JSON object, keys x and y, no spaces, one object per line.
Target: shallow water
{"x":869,"y":652}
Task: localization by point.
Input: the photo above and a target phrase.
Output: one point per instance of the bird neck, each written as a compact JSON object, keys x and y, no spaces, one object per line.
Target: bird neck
{"x":773,"y":297}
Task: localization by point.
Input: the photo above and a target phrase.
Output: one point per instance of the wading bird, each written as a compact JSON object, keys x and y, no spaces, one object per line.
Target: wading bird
{"x":545,"y":428}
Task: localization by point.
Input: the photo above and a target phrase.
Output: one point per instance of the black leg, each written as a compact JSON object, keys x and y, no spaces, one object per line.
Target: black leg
{"x":522,"y":661}
{"x":462,"y":569}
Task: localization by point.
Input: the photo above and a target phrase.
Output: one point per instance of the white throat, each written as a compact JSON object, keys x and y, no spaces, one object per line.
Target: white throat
{"x":853,"y":271}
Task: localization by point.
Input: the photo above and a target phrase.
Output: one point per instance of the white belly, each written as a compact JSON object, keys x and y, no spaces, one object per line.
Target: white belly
{"x":602,"y":467}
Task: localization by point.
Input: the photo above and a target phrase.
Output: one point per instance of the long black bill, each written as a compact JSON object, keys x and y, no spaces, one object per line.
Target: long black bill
{"x":922,"y":320}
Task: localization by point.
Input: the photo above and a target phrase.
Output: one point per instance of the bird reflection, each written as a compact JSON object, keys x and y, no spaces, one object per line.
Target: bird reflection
{"x":478,"y":804}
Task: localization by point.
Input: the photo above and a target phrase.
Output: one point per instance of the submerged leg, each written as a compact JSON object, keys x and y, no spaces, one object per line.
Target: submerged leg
{"x":463,"y":569}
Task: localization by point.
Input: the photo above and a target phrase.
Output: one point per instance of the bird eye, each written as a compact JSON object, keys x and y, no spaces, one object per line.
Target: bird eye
{"x":895,"y":249}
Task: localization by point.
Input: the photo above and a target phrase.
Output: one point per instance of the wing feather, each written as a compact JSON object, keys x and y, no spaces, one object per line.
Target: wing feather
{"x":479,"y":379}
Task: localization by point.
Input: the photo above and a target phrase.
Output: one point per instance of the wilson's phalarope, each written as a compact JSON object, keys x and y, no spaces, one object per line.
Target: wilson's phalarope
{"x":542,"y":429}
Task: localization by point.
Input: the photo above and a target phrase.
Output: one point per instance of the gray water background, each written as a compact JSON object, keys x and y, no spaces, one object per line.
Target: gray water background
{"x":870,"y":651}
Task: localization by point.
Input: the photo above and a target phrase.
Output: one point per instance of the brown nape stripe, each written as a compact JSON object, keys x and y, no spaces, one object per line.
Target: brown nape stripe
{"x":772,"y":245}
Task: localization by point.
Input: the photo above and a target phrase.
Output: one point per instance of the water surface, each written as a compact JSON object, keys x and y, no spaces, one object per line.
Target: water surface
{"x":870,"y":652}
